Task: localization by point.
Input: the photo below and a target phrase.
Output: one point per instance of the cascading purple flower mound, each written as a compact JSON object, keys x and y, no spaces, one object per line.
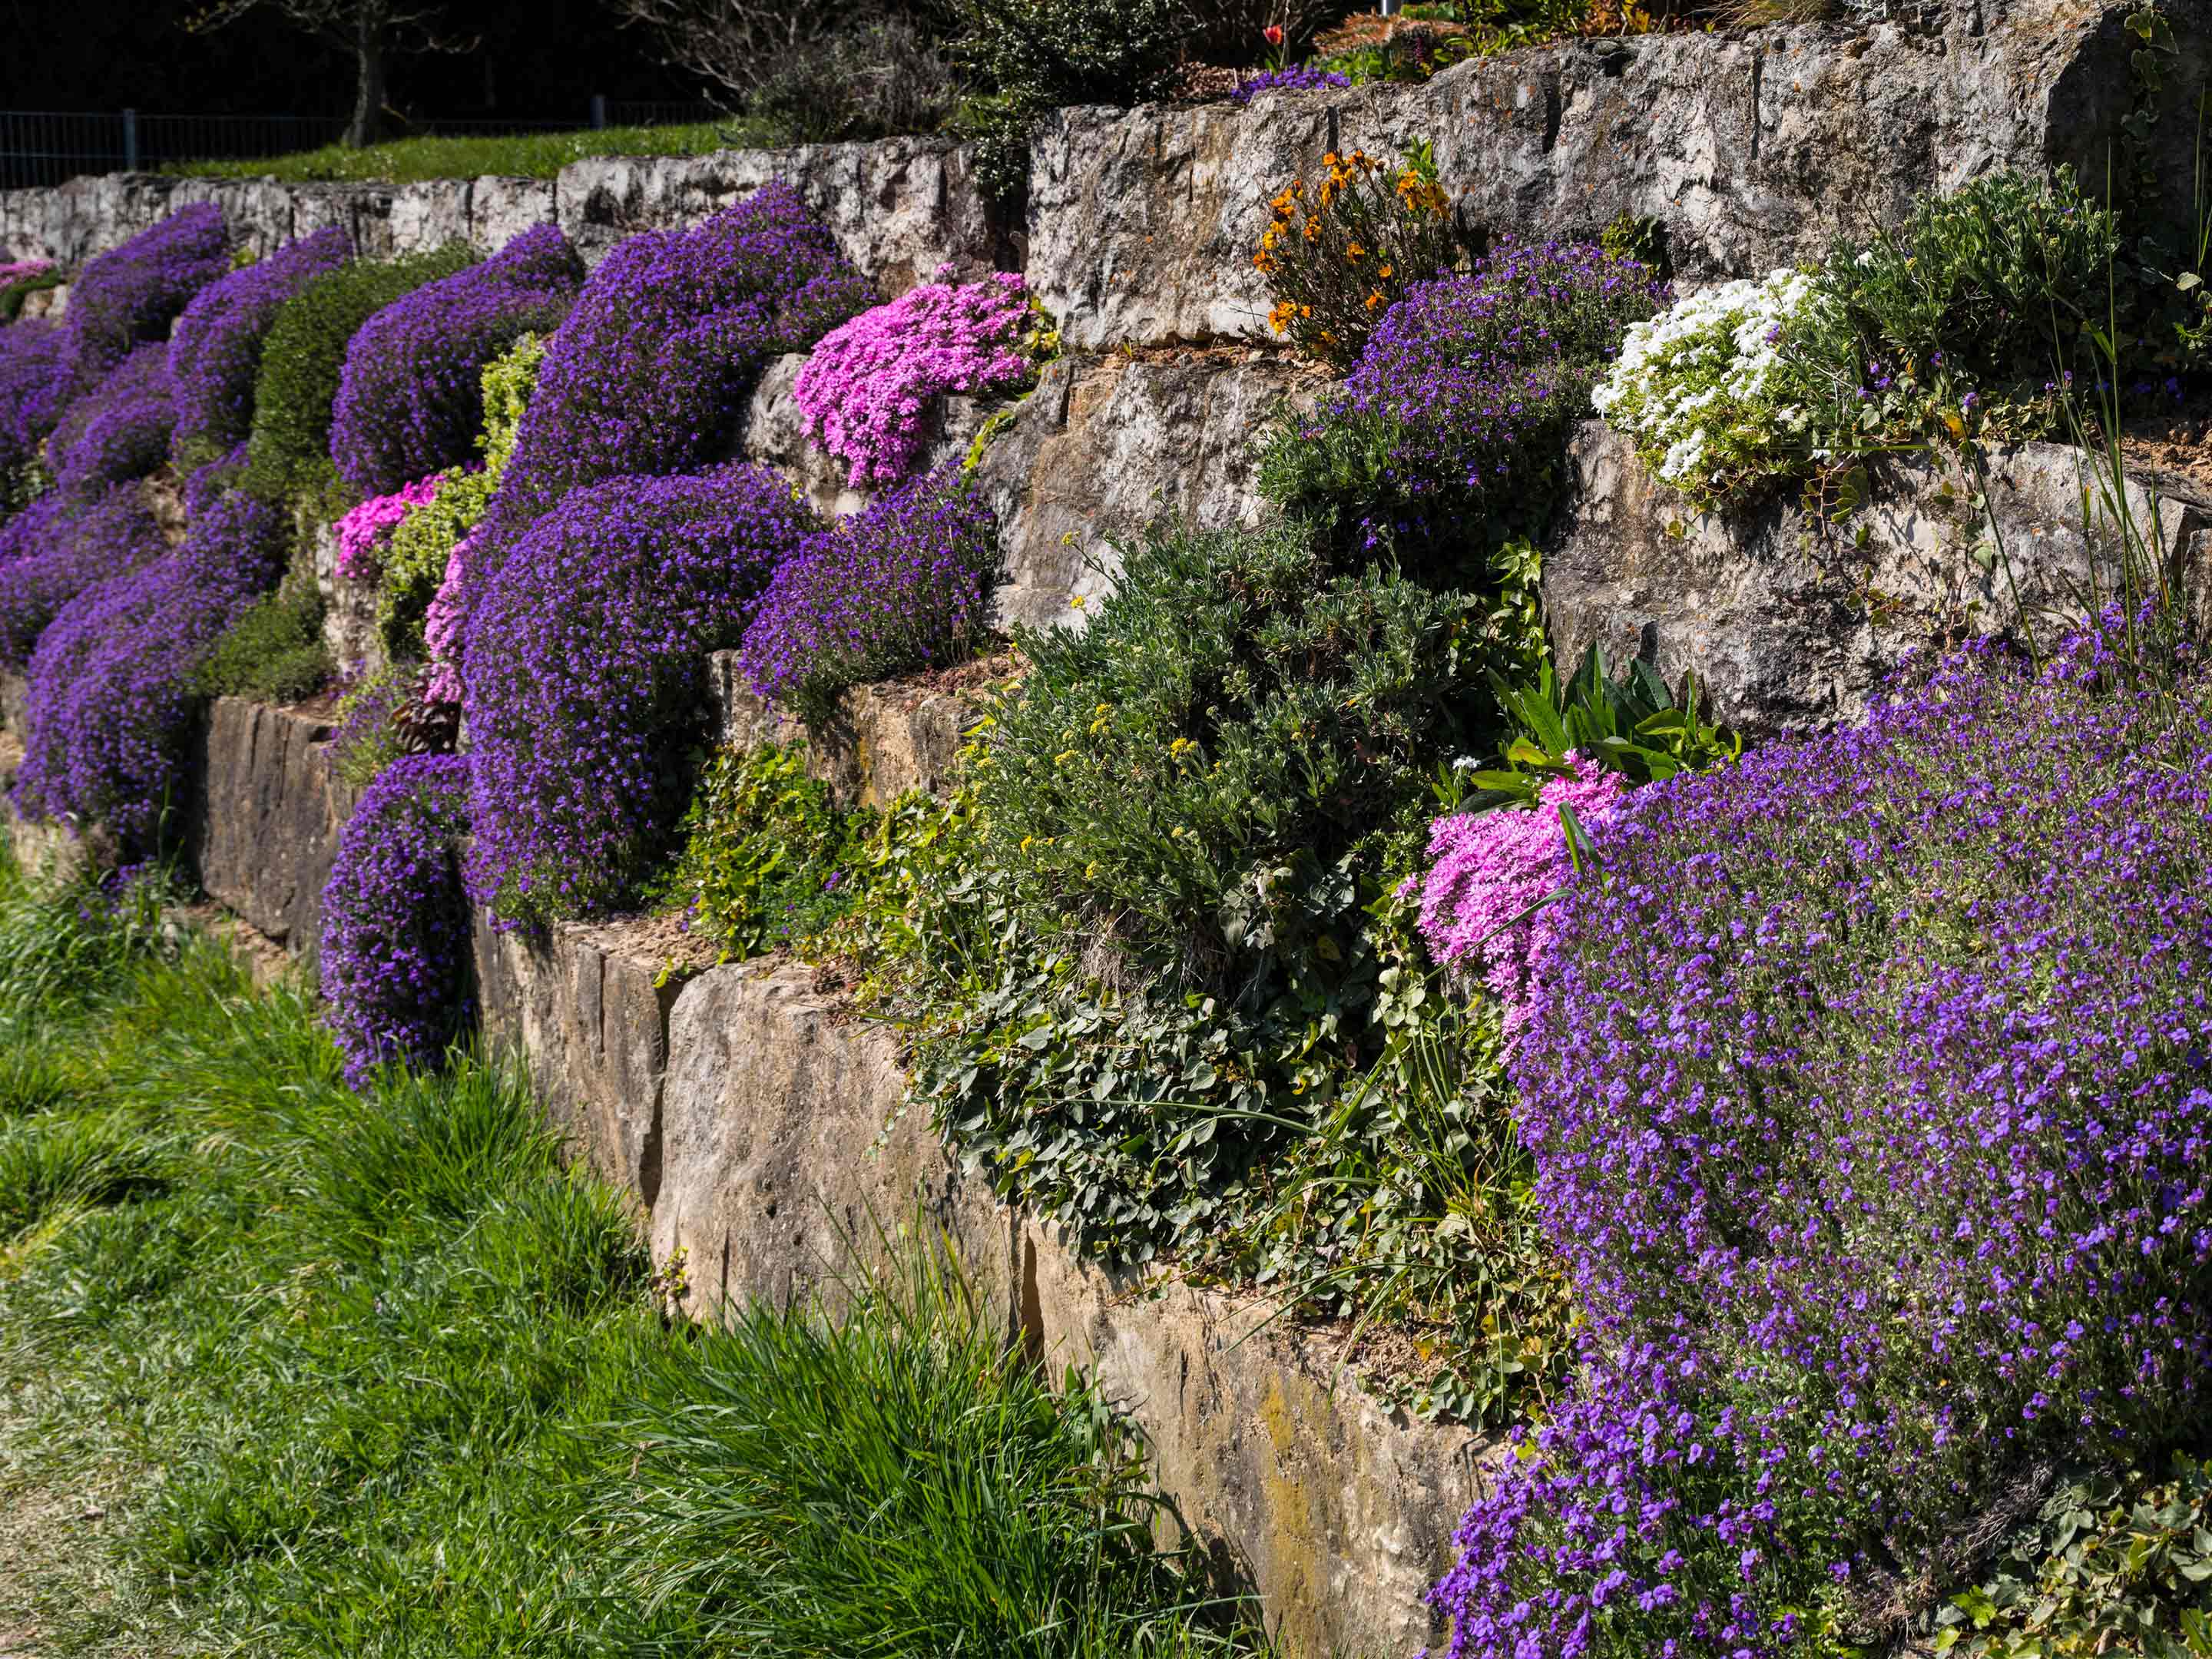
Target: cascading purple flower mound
{"x":582,"y":677}
{"x":1298,"y":77}
{"x":650,"y":373}
{"x":61,"y":545}
{"x":29,"y":353}
{"x":1487,"y":869}
{"x":411,"y":399}
{"x":110,"y":699}
{"x":1868,"y":1091}
{"x":904,"y":585}
{"x":214,"y":349}
{"x":395,"y":940}
{"x":130,"y":295}
{"x":870,"y":386}
{"x":117,"y":431}
{"x":1468,"y":384}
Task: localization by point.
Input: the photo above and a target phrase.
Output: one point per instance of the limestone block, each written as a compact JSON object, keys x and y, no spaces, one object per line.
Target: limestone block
{"x":501,"y":210}
{"x":348,"y":610}
{"x":1104,"y":445}
{"x":898,"y":207}
{"x":581,"y":1008}
{"x":14,"y":704}
{"x":1790,"y":620}
{"x":1754,"y":148}
{"x":263,"y":829}
{"x":257,"y":212}
{"x":362,"y":211}
{"x":428,"y":214}
{"x":887,"y":739}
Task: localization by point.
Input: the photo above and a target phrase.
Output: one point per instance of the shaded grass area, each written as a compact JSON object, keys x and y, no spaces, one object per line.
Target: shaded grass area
{"x":521,"y":155}
{"x":286,"y":1370}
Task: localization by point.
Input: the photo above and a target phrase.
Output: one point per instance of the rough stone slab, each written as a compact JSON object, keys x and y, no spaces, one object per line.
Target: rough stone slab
{"x":263,"y":829}
{"x":14,"y":704}
{"x":1790,"y":622}
{"x":898,"y":207}
{"x":70,"y":223}
{"x":501,"y":209}
{"x":775,"y":432}
{"x":1106,"y":445}
{"x":580,"y":1007}
{"x":348,"y":610}
{"x":784,"y":1143}
{"x":428,"y":214}
{"x":1754,"y":148}
{"x":888,"y":738}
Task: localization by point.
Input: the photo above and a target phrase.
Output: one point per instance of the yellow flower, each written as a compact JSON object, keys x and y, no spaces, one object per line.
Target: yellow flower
{"x":1374,"y":299}
{"x":1313,"y":230}
{"x":1384,"y":273}
{"x":1090,"y":870}
{"x":1062,"y":759}
{"x":1028,"y":841}
{"x":1180,"y":747}
{"x":1329,"y":160}
{"x":1353,"y":251}
{"x":1279,"y":318}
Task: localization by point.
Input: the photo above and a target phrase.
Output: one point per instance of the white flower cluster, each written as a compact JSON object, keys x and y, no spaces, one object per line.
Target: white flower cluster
{"x":1704,"y":386}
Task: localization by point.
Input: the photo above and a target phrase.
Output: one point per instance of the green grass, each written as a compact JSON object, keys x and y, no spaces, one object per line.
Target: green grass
{"x":289,"y":1370}
{"x":522,"y":155}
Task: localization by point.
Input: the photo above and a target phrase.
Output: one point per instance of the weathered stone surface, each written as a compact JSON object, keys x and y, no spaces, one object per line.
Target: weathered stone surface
{"x":1790,"y":620}
{"x":775,"y":432}
{"x":428,"y":214}
{"x":51,"y":303}
{"x":257,"y":212}
{"x":501,"y":209}
{"x":348,"y":610}
{"x":785,"y":1144}
{"x":68,"y":223}
{"x":581,"y":1009}
{"x":888,"y":738}
{"x":14,"y":704}
{"x":898,"y":209}
{"x":1752,"y":148}
{"x":1104,"y":445}
{"x":265,"y":827}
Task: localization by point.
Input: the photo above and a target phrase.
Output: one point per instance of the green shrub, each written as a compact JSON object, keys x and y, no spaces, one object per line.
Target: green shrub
{"x":415,"y":555}
{"x":288,"y":453}
{"x":768,"y":859}
{"x":1237,"y":723}
{"x":1037,"y":56}
{"x":876,"y":78}
{"x":274,"y":652}
{"x":1988,"y":287}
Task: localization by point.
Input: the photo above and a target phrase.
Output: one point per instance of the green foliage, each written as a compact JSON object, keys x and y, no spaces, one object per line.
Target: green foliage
{"x":274,"y":652}
{"x":416,"y":554}
{"x":1037,"y":56}
{"x":1633,"y":726}
{"x":12,"y":294}
{"x":375,"y":1375}
{"x":512,"y":156}
{"x":1196,"y":780}
{"x":2165,"y":297}
{"x":768,"y":859}
{"x":875,"y":78}
{"x":891,"y":1485}
{"x":2112,"y":1564}
{"x":288,"y":453}
{"x":1641,"y":238}
{"x":1989,"y":287}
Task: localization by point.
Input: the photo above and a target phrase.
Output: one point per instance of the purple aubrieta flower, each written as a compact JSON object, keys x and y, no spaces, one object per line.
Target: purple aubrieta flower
{"x":214,"y":349}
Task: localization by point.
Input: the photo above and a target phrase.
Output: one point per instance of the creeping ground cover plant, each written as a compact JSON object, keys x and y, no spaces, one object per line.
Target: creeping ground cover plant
{"x":215,"y":350}
{"x":871,"y":385}
{"x":1866,"y":1084}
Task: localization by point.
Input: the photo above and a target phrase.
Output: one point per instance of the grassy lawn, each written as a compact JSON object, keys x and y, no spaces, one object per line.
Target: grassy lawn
{"x":289,"y":1370}
{"x":525,"y":155}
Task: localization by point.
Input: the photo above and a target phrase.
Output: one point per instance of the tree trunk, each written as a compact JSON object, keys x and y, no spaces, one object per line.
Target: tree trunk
{"x":367,"y":122}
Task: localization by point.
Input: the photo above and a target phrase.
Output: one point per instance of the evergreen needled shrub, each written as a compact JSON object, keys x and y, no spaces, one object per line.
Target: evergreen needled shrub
{"x":1867,"y":1089}
{"x":303,"y":359}
{"x":904,"y":585}
{"x":411,"y":399}
{"x":395,"y":941}
{"x":582,"y":689}
{"x":869,"y":387}
{"x":215,"y":350}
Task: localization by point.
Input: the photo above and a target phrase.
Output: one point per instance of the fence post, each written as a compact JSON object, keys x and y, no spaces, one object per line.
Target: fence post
{"x":599,"y":111}
{"x":131,"y":140}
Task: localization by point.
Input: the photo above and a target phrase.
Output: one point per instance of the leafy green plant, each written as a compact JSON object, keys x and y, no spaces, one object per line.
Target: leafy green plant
{"x":769,"y":859}
{"x":1037,"y":56}
{"x":1633,"y":726}
{"x":874,"y":78}
{"x":288,"y":452}
{"x":2112,"y":1564}
{"x":274,"y":652}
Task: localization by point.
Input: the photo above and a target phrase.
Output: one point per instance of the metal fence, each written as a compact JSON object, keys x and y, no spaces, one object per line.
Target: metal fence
{"x":43,"y":146}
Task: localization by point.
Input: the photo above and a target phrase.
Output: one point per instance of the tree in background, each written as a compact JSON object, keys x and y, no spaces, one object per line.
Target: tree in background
{"x":372,"y":30}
